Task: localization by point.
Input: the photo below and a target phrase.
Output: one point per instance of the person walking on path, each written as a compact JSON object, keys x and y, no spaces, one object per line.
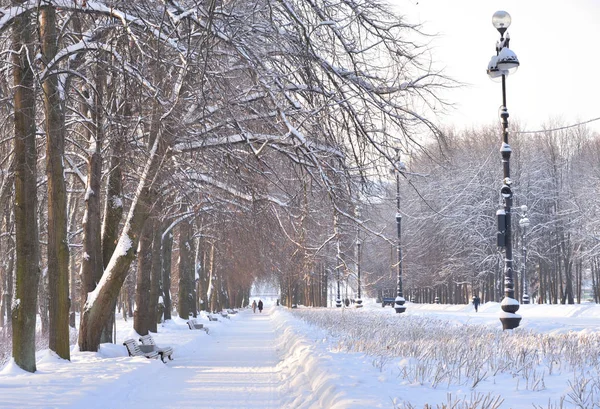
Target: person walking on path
{"x":475,"y":302}
{"x":260,"y":305}
{"x":254,"y":306}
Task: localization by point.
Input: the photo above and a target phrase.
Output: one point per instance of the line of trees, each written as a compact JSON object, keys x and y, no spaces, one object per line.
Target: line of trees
{"x":449,"y":199}
{"x":162,"y":155}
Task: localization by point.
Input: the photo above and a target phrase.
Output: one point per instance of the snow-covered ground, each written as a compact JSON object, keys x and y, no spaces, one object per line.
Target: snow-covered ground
{"x":279,"y":359}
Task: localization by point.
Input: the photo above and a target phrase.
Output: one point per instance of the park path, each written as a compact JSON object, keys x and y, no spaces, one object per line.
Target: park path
{"x":239,"y":369}
{"x":234,"y":367}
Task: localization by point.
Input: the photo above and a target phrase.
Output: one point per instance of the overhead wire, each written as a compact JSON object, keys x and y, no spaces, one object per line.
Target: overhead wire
{"x":559,"y":128}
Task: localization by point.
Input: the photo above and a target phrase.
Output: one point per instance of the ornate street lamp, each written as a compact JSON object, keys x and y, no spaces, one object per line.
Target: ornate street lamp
{"x":399,"y":301}
{"x":358,"y":259}
{"x":503,"y":63}
{"x":524,"y":223}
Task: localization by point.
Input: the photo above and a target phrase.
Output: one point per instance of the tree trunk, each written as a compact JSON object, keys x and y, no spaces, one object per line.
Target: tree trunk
{"x":98,"y":309}
{"x":579,"y":280}
{"x":184,"y":307}
{"x":74,"y":289}
{"x":58,"y":243}
{"x":142,"y":316}
{"x":10,"y":273}
{"x":211,"y":292}
{"x":5,"y":273}
{"x":166,"y":253}
{"x":92,"y":264}
{"x":113,"y":212}
{"x":155,"y":279}
{"x":27,"y":246}
{"x":201,"y":285}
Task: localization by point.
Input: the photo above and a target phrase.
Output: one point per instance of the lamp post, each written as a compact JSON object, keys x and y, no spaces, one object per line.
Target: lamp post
{"x":399,"y":301}
{"x":338,"y":276}
{"x":524,"y":223}
{"x":338,"y":300}
{"x":504,"y":62}
{"x":358,"y":259}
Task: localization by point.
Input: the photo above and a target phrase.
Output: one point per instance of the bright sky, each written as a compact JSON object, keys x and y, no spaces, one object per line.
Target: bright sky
{"x":554,"y":40}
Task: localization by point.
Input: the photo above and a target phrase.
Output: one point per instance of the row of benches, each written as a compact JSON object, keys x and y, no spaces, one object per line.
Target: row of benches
{"x":149,"y":349}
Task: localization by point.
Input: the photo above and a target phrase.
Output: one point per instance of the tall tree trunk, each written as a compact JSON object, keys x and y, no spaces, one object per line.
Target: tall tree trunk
{"x":113,"y":206}
{"x":98,"y":310}
{"x":184,"y":307}
{"x":166,"y":254}
{"x":142,"y":316}
{"x":10,"y":273}
{"x":203,"y":278}
{"x":74,"y":277}
{"x":27,"y":246}
{"x":212,"y":290}
{"x":155,"y":275}
{"x":91,"y":263}
{"x":579,"y":280}
{"x":5,"y":192}
{"x":113,"y":212}
{"x":58,"y":243}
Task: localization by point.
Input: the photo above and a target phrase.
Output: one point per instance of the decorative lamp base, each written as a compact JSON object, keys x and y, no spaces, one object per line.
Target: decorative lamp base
{"x":399,"y":304}
{"x":525,"y":299}
{"x":510,"y":322}
{"x":338,"y":303}
{"x":358,"y":303}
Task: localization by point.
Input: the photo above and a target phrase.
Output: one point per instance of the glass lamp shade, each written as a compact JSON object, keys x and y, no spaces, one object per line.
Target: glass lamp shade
{"x":507,"y":61}
{"x":501,"y":20}
{"x":524,"y":222}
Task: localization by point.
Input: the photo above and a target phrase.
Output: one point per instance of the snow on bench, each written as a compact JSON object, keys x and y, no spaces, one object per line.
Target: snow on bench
{"x":147,"y":340}
{"x":193,"y":324}
{"x":140,"y":350}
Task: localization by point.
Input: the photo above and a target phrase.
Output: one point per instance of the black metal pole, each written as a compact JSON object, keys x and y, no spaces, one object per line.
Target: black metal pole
{"x":358,"y":260}
{"x":338,"y":300}
{"x":399,"y":301}
{"x":525,"y":285}
{"x":509,"y":305}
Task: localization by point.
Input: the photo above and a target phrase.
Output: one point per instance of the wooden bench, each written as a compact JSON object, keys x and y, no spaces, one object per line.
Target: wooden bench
{"x":211,"y":318}
{"x":225,"y":315}
{"x":165,"y":352}
{"x":140,"y":350}
{"x":232,"y":312}
{"x":193,"y":324}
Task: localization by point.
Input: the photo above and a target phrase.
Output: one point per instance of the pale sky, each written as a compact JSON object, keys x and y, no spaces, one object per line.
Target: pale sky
{"x":556,"y":43}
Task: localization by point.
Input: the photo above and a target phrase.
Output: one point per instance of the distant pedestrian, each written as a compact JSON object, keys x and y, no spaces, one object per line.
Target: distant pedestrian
{"x":254,"y":306}
{"x":476,"y":302}
{"x":260,"y":305}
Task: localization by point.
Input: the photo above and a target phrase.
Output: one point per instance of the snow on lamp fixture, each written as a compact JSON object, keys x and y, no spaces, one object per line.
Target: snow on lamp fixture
{"x":492,"y":69}
{"x":507,"y":61}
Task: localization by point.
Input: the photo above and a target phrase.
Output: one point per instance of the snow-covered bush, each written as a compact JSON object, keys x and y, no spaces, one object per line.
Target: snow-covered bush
{"x":438,"y":353}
